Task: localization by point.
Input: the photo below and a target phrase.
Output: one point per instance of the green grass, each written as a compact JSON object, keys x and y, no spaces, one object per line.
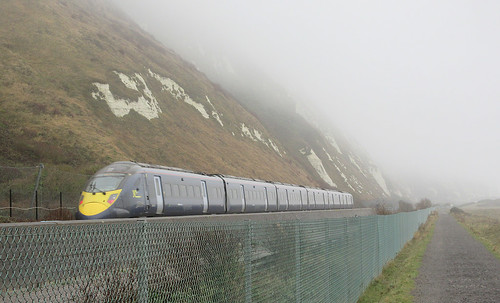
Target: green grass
{"x":484,"y":228}
{"x":398,"y":276}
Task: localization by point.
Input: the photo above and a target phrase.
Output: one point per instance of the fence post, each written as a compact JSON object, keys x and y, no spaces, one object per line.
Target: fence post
{"x":10,"y":202}
{"x":40,"y":167}
{"x":60,"y":205}
{"x":142,"y":258}
{"x":297,"y":263}
{"x":330,"y":257}
{"x":36,"y":205}
{"x":361,"y":277}
{"x":248,"y":262}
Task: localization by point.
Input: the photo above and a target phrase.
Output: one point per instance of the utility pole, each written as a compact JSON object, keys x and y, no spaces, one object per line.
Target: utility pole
{"x":40,"y":167}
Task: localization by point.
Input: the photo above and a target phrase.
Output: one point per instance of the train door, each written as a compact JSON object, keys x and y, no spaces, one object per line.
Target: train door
{"x":287,"y":199}
{"x":204,"y":193}
{"x":148,"y":191}
{"x":243,"y":204}
{"x":267,"y":198}
{"x":140,"y":196}
{"x":159,"y":195}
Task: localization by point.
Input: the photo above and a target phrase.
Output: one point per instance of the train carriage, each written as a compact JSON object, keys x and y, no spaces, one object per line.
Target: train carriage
{"x":130,"y":189}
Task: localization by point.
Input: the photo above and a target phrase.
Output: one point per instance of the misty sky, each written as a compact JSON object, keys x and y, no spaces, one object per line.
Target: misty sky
{"x":415,"y":83}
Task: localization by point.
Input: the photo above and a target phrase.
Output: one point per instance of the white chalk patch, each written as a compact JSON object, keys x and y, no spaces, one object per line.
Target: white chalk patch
{"x":257,"y":136}
{"x":120,"y":107}
{"x":275,"y":147}
{"x":215,"y":114}
{"x":129,"y":82}
{"x":334,"y":143}
{"x":318,"y":166}
{"x":380,"y":179}
{"x":329,"y":157}
{"x":178,"y":92}
{"x":146,"y":89}
{"x":353,"y":161}
{"x":245,"y":132}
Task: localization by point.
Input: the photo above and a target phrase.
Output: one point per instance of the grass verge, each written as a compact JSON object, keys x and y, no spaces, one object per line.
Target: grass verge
{"x":483,"y":228}
{"x":398,"y":276}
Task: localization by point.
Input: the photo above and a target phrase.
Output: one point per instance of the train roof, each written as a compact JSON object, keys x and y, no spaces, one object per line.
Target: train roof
{"x":123,"y":164}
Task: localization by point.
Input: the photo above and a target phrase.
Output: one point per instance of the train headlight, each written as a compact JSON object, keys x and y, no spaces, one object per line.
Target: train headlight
{"x":112,"y":198}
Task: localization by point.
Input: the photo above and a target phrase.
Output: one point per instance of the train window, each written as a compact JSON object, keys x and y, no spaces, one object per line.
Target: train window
{"x":157,"y":186}
{"x":273,"y":195}
{"x":183,"y":191}
{"x":104,"y":183}
{"x":190,"y":191}
{"x":175,"y":190}
{"x":159,"y":195}
{"x":167,"y":189}
{"x":197,"y":192}
{"x":310,"y":197}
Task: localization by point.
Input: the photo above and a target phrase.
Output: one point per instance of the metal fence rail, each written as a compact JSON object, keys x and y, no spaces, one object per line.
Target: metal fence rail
{"x":325,"y":260}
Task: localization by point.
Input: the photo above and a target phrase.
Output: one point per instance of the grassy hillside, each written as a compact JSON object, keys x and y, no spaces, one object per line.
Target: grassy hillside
{"x":51,"y":55}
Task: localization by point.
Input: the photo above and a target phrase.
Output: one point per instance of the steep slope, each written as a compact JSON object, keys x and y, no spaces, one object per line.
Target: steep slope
{"x":318,"y":148}
{"x":82,"y":85}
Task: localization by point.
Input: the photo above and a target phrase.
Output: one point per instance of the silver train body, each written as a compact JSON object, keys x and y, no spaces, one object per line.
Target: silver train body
{"x":130,"y":189}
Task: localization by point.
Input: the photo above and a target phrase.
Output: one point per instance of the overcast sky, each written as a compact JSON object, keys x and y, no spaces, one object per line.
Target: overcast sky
{"x":415,"y":83}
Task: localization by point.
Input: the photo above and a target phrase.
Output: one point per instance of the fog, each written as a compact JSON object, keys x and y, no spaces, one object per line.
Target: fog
{"x":415,"y":83}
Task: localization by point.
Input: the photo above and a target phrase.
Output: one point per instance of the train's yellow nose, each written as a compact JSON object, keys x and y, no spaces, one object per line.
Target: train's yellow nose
{"x":92,"y":204}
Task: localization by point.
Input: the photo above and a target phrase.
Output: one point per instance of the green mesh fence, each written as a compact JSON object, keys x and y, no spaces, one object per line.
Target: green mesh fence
{"x":328,"y":260}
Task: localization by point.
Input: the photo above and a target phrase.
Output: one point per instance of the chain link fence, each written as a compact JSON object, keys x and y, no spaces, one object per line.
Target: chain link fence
{"x":326,"y":260}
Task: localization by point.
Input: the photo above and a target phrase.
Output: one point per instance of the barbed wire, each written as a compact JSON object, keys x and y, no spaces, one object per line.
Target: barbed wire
{"x":25,"y":167}
{"x":32,"y":208}
{"x":47,"y":168}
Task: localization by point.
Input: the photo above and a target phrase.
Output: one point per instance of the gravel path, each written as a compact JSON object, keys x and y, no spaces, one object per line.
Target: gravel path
{"x":456,"y":267}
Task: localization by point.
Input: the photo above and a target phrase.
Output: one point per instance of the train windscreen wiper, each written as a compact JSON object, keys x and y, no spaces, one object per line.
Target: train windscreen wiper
{"x":95,"y":188}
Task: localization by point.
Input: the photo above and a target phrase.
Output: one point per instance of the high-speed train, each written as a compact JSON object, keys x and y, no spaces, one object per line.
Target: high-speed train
{"x":130,"y":189}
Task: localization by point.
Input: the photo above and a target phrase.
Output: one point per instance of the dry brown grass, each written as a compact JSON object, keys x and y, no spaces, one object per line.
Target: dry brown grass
{"x":51,"y":53}
{"x":485,"y":228}
{"x":491,"y":212}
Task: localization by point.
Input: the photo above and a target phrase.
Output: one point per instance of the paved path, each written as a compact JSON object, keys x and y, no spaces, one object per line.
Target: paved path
{"x":456,"y":267}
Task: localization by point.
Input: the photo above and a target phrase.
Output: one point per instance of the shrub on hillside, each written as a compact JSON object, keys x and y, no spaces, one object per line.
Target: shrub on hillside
{"x":382,"y":209}
{"x":423,"y":204}
{"x":456,"y":210}
{"x":405,"y":206}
